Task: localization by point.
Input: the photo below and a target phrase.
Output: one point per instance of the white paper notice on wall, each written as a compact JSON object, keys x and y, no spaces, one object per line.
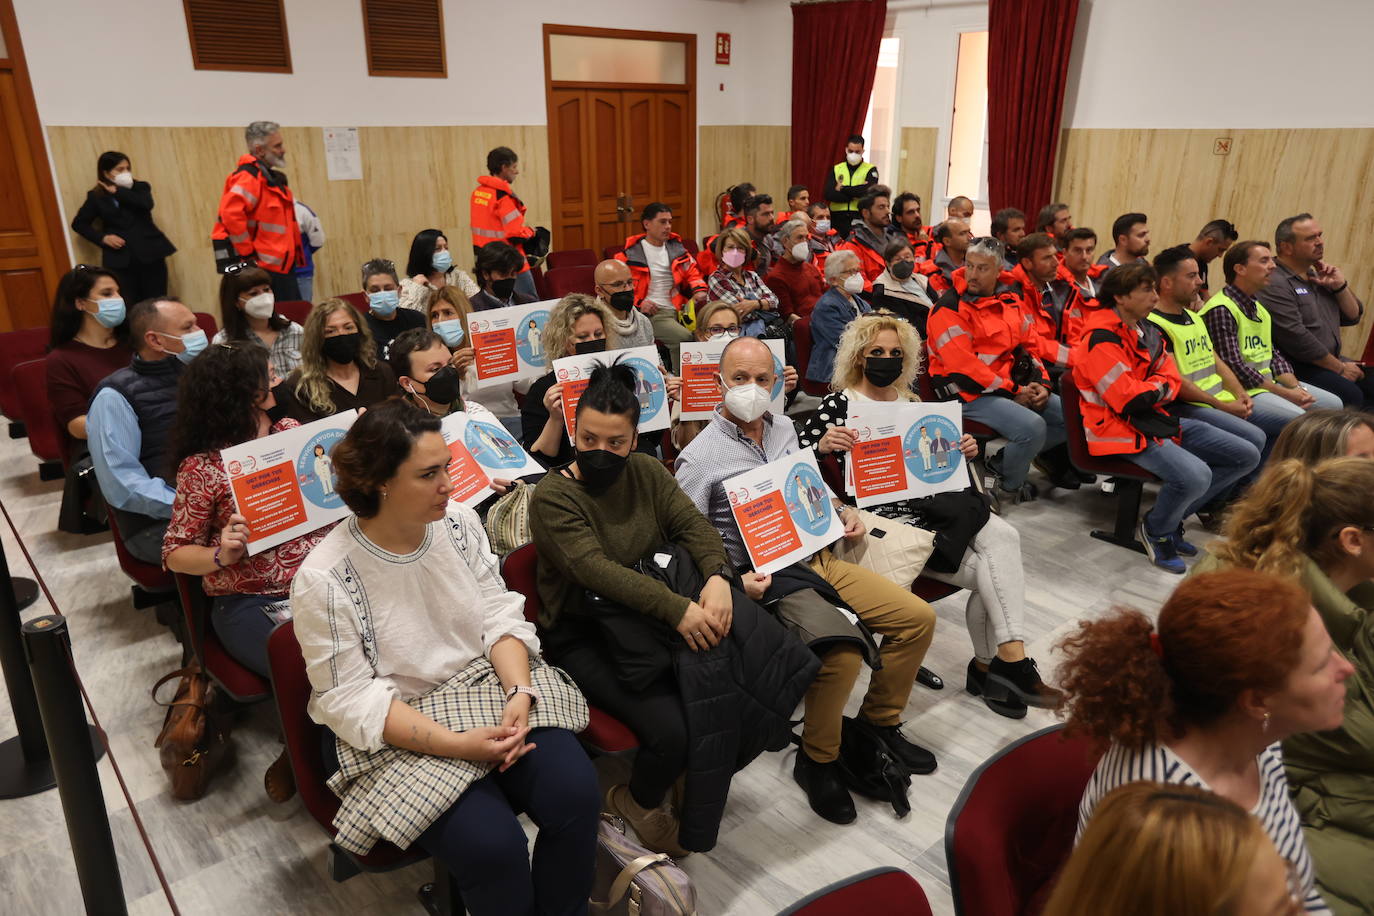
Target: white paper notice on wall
{"x":342,"y":154}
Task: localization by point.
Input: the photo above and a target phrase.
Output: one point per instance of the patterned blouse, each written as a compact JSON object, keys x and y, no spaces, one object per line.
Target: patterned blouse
{"x":200,"y":511}
{"x":285,"y":352}
{"x":723,"y":286}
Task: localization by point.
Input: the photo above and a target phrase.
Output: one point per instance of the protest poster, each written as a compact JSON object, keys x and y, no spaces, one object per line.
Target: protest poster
{"x":784,"y":511}
{"x":904,"y":450}
{"x":508,"y":343}
{"x":482,"y":452}
{"x":572,"y":373}
{"x":283,"y":483}
{"x":700,"y":361}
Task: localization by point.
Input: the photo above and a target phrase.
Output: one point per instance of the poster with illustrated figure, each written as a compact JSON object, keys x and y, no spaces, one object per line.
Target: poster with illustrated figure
{"x":700,"y":362}
{"x":572,"y":374}
{"x":482,"y":452}
{"x":508,"y":343}
{"x":784,"y":511}
{"x":284,"y":484}
{"x":904,"y":450}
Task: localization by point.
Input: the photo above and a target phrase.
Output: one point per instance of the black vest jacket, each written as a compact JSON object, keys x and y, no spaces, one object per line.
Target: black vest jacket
{"x":151,"y":390}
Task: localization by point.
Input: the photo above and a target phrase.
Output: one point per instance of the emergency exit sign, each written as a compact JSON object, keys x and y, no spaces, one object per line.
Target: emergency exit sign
{"x":723,"y":48}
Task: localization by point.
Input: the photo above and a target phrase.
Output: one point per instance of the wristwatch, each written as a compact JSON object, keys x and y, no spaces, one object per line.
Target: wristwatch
{"x":527,"y":691}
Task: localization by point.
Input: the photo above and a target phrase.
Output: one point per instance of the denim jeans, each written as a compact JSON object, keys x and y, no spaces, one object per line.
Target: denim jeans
{"x":1248,"y":430}
{"x":991,"y":570}
{"x":1355,"y":395}
{"x":1027,"y":432}
{"x":1208,"y":462}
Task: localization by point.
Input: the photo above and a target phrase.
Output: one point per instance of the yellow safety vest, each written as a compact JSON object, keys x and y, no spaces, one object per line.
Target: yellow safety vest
{"x":1193,"y":353}
{"x":844,"y":178}
{"x":1256,"y":336}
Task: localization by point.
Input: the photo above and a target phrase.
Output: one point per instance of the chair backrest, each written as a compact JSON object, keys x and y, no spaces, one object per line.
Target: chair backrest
{"x":611,"y":251}
{"x":1013,"y":825}
{"x":291,"y":690}
{"x":518,"y":569}
{"x":207,"y":323}
{"x":241,"y":684}
{"x":691,"y":246}
{"x":889,"y":891}
{"x":295,"y":309}
{"x":357,"y":300}
{"x":151,"y":577}
{"x":563,"y":280}
{"x":30,"y":382}
{"x":1077,"y":439}
{"x":18,"y":347}
{"x":572,"y":257}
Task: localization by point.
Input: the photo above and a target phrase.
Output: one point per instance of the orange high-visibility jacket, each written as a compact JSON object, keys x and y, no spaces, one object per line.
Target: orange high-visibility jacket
{"x":498,"y":215}
{"x":1051,"y":351}
{"x":257,"y":214}
{"x":973,"y":342}
{"x":1077,"y":312}
{"x":687,"y":279}
{"x":868,"y":245}
{"x":1121,"y":373}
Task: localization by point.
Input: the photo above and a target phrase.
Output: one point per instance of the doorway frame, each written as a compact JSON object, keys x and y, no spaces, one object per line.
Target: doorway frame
{"x":687,"y":38}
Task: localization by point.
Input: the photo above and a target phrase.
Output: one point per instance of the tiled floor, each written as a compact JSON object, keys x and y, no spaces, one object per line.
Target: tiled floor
{"x":236,"y":852}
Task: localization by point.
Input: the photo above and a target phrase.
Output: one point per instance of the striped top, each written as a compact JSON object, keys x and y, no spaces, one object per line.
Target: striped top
{"x":1156,"y":763}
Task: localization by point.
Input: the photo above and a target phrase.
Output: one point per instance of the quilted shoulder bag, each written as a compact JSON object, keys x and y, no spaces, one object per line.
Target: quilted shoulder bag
{"x":194,"y":742}
{"x":632,"y":881}
{"x":893,"y":549}
{"x":508,"y":519}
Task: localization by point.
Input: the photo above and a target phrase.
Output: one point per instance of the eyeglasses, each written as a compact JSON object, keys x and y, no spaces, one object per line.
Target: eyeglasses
{"x":85,"y":267}
{"x":236,"y":267}
{"x":715,"y":329}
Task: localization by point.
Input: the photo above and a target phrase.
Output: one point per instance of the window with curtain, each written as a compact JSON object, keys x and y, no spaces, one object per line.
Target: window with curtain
{"x":880,"y":121}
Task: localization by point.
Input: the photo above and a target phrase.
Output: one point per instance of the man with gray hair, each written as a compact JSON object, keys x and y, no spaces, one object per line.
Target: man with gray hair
{"x":982,"y":352}
{"x":257,"y":215}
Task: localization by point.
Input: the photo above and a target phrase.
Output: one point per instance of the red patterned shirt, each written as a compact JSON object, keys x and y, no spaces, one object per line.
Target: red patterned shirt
{"x":200,"y":511}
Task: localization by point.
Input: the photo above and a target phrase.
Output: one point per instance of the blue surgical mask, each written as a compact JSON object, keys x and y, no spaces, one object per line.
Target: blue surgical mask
{"x":194,"y":342}
{"x":450,"y":331}
{"x":442,"y":261}
{"x":384,"y":302}
{"x":112,"y":312}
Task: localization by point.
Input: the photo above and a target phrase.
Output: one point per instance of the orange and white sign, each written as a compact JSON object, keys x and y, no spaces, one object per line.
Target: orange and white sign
{"x":482,"y":451}
{"x":904,"y":450}
{"x":573,"y":373}
{"x":700,"y":362}
{"x":508,"y":343}
{"x":784,"y":511}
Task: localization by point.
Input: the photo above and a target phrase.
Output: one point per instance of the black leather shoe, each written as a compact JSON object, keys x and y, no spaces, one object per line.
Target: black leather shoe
{"x":1022,"y":680}
{"x":995,"y":696}
{"x":827,"y":794}
{"x":927,"y":678}
{"x":1061,"y":476}
{"x":915,"y":758}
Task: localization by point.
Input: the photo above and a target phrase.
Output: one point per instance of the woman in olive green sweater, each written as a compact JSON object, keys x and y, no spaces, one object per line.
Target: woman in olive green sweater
{"x":593,"y":520}
{"x":1315,"y":524}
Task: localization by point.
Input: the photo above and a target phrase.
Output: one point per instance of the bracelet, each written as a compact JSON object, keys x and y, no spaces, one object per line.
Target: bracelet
{"x":527,"y":691}
{"x":1344,"y":287}
{"x":218,"y":564}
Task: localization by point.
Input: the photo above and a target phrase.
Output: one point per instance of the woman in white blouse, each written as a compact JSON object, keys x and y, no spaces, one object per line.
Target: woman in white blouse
{"x":403,"y":621}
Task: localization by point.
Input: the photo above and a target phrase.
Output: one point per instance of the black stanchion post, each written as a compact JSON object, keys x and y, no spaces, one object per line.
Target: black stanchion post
{"x":48,"y":646}
{"x":24,"y":765}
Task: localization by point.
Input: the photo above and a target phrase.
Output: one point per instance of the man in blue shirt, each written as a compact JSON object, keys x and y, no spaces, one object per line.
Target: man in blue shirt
{"x":130,"y":420}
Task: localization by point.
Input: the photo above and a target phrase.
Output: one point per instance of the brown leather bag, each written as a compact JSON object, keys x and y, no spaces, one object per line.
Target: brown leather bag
{"x":194,"y":742}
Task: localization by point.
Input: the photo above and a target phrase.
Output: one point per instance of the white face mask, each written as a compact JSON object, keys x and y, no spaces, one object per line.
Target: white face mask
{"x":802,"y":250}
{"x":747,"y":402}
{"x":854,"y":283}
{"x":260,"y":306}
{"x":854,"y":158}
{"x":124,"y":179}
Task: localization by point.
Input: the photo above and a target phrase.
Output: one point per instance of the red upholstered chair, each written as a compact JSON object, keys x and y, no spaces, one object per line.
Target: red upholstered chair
{"x":18,"y":347}
{"x":611,"y":251}
{"x":1130,"y":477}
{"x":563,"y":280}
{"x":357,"y":300}
{"x":927,"y":392}
{"x":242,"y":685}
{"x":889,"y":891}
{"x":691,"y":247}
{"x":605,"y":734}
{"x":207,"y":323}
{"x":1013,"y":825}
{"x":30,"y":382}
{"x":540,"y":286}
{"x":152,"y":584}
{"x":801,"y":338}
{"x":572,"y":257}
{"x":295,"y":309}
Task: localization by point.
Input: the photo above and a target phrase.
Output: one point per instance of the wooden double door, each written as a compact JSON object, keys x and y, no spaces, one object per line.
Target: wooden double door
{"x":611,"y":152}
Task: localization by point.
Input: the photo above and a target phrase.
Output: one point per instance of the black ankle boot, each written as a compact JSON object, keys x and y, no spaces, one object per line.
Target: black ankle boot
{"x":824,"y":790}
{"x":915,"y":758}
{"x":995,"y":695}
{"x":1022,"y":680}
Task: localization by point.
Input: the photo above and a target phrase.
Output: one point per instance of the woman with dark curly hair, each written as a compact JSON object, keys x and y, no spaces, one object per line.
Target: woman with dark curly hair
{"x":1238,"y":662}
{"x":225,"y":398}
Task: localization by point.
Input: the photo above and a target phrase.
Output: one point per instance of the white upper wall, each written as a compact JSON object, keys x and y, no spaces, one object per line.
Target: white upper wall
{"x":1177,"y":63}
{"x":97,"y":63}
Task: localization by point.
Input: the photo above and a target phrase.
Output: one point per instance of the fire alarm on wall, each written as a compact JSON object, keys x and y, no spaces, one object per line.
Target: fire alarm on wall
{"x":723,"y":48}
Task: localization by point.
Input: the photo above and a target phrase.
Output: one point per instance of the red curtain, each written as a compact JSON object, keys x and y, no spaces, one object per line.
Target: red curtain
{"x":1028,"y":63}
{"x":834,"y":59}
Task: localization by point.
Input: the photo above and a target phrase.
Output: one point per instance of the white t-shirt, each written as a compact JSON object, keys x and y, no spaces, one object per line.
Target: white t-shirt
{"x":376,"y":626}
{"x":660,"y":274}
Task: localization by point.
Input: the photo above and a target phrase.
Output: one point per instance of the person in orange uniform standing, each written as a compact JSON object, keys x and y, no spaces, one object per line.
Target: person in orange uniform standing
{"x":497,"y":215}
{"x":256,"y":222}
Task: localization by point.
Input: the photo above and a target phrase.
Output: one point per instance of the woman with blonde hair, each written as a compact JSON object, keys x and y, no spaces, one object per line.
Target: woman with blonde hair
{"x":1153,"y":849}
{"x":339,"y":369}
{"x":1314,"y":525}
{"x":878,"y":359}
{"x":447,"y":315}
{"x":1326,"y":433}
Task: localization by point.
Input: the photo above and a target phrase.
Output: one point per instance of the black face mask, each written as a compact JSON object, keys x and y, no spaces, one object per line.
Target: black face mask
{"x":590,"y":346}
{"x":276,"y":413}
{"x":902,"y":269}
{"x":342,"y":348}
{"x":882,"y":370}
{"x":443,"y":386}
{"x":600,"y":468}
{"x":502,"y":289}
{"x":623,"y":301}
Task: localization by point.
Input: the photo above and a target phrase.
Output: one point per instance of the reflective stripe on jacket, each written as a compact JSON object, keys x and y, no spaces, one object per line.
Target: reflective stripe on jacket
{"x":687,"y":279}
{"x":257,"y":214}
{"x":1256,"y":336}
{"x":1119,"y":373}
{"x":497,"y":215}
{"x":845,"y":178}
{"x":1192,"y":347}
{"x":973,"y":340}
{"x":1050,"y":349}
{"x":1077,"y":311}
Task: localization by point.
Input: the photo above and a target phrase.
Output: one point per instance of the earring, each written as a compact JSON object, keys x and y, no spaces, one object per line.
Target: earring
{"x":1264,"y":726}
{"x":1266,"y":715}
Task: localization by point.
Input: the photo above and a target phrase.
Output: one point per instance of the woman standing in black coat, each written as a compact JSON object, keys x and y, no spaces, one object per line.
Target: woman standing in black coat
{"x":130,"y":242}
